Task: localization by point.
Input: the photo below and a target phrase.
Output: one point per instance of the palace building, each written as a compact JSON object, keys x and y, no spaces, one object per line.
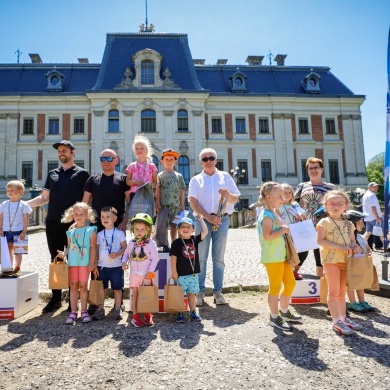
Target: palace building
{"x":264,"y":119}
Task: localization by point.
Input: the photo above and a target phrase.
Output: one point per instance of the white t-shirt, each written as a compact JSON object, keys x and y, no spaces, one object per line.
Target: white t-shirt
{"x":13,"y":214}
{"x":370,"y":199}
{"x":109,"y":241}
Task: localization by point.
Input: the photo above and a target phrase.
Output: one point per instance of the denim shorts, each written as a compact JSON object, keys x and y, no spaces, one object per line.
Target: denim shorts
{"x":370,"y":225}
{"x":112,"y":275}
{"x":189,"y":283}
{"x":10,"y":235}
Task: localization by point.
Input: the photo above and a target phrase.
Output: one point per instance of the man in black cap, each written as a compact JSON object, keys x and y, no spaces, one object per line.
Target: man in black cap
{"x":63,"y":188}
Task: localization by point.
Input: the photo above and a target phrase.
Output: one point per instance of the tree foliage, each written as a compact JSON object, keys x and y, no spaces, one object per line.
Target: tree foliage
{"x":375,"y":172}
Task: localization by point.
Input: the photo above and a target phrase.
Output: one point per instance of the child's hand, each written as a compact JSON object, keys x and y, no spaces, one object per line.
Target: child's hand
{"x":22,"y":236}
{"x":356,"y":249}
{"x":174,"y":275}
{"x":348,"y":250}
{"x":91,"y":267}
{"x":150,"y":275}
{"x":95,"y":273}
{"x":60,"y":254}
{"x":285,"y":229}
{"x":124,"y":266}
{"x":139,"y":182}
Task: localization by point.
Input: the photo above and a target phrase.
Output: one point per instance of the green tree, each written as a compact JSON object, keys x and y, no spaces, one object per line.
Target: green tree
{"x":375,"y":172}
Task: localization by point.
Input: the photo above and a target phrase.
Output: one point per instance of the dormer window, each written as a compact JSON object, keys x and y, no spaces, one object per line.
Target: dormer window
{"x":147,"y":72}
{"x":237,"y":82}
{"x":147,"y":66}
{"x":311,"y":83}
{"x":55,"y":81}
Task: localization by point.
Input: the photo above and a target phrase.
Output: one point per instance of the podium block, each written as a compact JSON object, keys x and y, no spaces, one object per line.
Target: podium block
{"x":18,"y":295}
{"x":306,"y":291}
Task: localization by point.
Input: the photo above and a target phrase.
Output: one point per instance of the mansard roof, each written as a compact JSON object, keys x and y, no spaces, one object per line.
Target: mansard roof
{"x":176,"y":55}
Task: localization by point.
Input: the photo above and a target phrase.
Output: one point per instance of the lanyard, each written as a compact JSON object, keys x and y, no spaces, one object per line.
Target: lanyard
{"x":80,"y":247}
{"x":9,"y":215}
{"x":192,"y":262}
{"x":109,"y":247}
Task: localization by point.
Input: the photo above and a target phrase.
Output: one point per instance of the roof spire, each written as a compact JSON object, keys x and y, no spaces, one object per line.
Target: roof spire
{"x":145,"y":27}
{"x":18,"y":53}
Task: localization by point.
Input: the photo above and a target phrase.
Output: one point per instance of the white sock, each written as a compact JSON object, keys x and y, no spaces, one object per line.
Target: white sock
{"x":274,"y":316}
{"x":284,"y":311}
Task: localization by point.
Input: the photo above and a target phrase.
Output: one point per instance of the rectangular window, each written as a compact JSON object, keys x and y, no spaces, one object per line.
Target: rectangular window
{"x":240,"y":126}
{"x":266,"y":171}
{"x":78,"y":125}
{"x":148,"y":125}
{"x":244,"y":202}
{"x":219,"y":165}
{"x":52,"y":165}
{"x":263,"y":126}
{"x":334,"y":171}
{"x":27,"y":173}
{"x":216,"y":125}
{"x":330,"y":126}
{"x":28,"y":126}
{"x":305,"y":175}
{"x":243,"y":171}
{"x":54,"y":126}
{"x":80,"y":163}
{"x":182,"y":124}
{"x":303,"y":126}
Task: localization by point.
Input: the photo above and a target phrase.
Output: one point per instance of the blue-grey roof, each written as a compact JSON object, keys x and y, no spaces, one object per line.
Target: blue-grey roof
{"x":120,"y":47}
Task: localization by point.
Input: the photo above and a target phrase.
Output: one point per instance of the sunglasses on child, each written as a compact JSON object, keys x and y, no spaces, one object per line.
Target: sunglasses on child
{"x":211,"y":158}
{"x":109,"y":158}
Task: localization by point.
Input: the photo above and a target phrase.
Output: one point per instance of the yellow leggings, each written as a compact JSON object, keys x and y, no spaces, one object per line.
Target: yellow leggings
{"x":279,"y":273}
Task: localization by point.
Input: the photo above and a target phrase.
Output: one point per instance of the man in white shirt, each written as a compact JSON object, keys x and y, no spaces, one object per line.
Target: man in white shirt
{"x":204,"y":194}
{"x":372,"y":209}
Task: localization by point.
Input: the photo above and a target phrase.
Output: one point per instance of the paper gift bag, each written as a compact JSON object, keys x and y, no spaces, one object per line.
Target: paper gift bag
{"x":58,"y":275}
{"x":6,"y":264}
{"x":377,"y":230}
{"x":173,"y":297}
{"x":147,"y":301}
{"x":360,"y":272}
{"x":20,"y":246}
{"x":292,"y":255}
{"x":375,"y":283}
{"x":304,"y":235}
{"x":96,"y":292}
{"x":323,"y":290}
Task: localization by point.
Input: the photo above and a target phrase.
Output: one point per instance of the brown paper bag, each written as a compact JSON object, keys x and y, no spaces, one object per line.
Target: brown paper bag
{"x":323,"y":290}
{"x":58,"y":275}
{"x":360,"y":272}
{"x":375,"y":284}
{"x":292,"y":255}
{"x":147,"y":301}
{"x":173,"y":298}
{"x":96,"y":292}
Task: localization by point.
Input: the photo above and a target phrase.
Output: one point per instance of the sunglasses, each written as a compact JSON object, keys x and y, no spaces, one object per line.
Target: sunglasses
{"x":205,"y":159}
{"x":109,"y":158}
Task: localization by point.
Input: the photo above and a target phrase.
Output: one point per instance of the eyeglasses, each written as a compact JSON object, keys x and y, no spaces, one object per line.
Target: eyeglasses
{"x":314,"y":168}
{"x":338,"y":204}
{"x":205,"y":159}
{"x":109,"y":158}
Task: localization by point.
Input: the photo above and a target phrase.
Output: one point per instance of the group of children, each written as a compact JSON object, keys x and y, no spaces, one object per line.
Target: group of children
{"x":338,"y":239}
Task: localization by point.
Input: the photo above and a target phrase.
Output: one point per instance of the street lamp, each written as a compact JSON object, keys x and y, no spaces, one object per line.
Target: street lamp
{"x":237,"y":174}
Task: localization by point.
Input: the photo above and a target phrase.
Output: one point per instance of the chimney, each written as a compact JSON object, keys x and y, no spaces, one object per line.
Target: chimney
{"x":222,"y":62}
{"x":254,"y":60}
{"x":199,"y":62}
{"x":279,"y":59}
{"x":83,"y":60}
{"x":35,"y":58}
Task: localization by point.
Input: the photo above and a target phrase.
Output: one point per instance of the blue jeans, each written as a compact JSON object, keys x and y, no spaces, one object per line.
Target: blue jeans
{"x":218,"y":239}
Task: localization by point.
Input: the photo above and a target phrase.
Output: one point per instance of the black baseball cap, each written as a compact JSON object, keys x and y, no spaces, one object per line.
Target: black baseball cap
{"x":64,"y":142}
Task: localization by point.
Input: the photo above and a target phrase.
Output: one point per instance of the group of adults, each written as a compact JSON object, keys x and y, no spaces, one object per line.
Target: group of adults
{"x":70,"y":183}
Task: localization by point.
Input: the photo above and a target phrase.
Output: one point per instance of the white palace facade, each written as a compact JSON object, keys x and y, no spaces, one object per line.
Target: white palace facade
{"x":265,"y":120}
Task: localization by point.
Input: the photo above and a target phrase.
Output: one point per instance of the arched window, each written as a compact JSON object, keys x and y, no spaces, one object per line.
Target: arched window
{"x":147,"y":72}
{"x":183,"y":167}
{"x":182,"y":121}
{"x":155,"y":161}
{"x":113,"y":121}
{"x":148,"y":121}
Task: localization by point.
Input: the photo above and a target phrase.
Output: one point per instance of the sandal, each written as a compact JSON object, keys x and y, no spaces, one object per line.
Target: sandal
{"x":72,"y":317}
{"x":85,"y":318}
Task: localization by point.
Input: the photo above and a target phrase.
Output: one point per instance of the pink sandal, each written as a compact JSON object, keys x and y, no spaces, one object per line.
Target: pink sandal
{"x":72,"y":317}
{"x":85,"y":318}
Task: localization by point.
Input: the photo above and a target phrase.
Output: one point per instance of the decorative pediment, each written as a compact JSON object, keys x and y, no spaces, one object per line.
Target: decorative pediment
{"x":311,"y":83}
{"x":55,"y":80}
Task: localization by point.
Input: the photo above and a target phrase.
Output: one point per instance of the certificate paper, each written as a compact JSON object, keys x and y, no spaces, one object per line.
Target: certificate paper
{"x":304,"y":235}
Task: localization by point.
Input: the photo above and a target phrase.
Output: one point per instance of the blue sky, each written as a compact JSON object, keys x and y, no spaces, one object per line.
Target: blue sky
{"x":349,"y":36}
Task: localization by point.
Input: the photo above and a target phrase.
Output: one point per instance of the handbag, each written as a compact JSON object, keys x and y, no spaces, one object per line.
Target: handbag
{"x":58,"y":274}
{"x":143,"y":201}
{"x":173,"y":297}
{"x":292,"y":255}
{"x":304,"y":235}
{"x":323,"y":290}
{"x":6,"y":264}
{"x":360,"y":272}
{"x":377,"y":230}
{"x":147,"y":301}
{"x":96,"y":292}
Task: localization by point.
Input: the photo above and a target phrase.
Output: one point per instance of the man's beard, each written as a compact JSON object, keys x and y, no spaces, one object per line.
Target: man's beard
{"x":64,"y":159}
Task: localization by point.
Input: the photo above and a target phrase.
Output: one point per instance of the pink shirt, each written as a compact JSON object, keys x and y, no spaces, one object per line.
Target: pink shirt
{"x":141,"y":171}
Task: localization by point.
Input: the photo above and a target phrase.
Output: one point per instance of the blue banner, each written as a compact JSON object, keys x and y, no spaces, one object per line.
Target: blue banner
{"x":387,"y":154}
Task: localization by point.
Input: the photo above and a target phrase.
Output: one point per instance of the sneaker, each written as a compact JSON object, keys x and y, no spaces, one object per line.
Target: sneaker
{"x":367,"y":306}
{"x":199,"y":298}
{"x":137,"y":322}
{"x":194,"y":316}
{"x":117,"y":313}
{"x":279,"y":323}
{"x":290,"y":316}
{"x":352,"y":324}
{"x":71,"y":319}
{"x":51,"y":306}
{"x":356,"y":306}
{"x":91,"y":309}
{"x":219,"y":299}
{"x":180,"y":319}
{"x":149,"y":319}
{"x":297,"y":276}
{"x":342,"y":328}
{"x":99,"y":313}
